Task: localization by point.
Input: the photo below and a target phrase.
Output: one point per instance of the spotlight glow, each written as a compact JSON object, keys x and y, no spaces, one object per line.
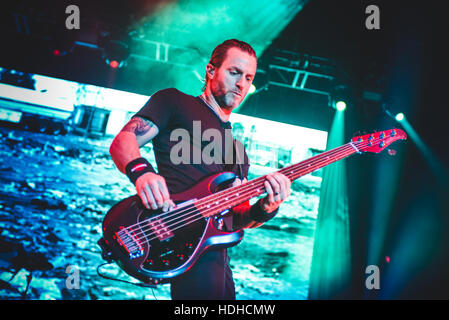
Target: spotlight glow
{"x":113,"y":64}
{"x":340,"y":105}
{"x":331,"y":261}
{"x":252,"y":89}
{"x":399,"y":116}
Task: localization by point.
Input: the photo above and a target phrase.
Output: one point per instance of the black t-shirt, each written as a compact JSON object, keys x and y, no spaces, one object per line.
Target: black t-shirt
{"x":185,"y":149}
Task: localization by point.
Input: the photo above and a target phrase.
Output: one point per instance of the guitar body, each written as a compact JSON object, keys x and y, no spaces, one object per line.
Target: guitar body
{"x":155,"y":250}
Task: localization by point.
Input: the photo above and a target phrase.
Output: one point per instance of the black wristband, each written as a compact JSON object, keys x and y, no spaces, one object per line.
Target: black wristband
{"x":259,"y":215}
{"x":137,"y":167}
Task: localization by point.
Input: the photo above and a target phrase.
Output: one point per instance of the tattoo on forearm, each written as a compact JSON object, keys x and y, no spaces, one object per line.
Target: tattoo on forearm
{"x":138,"y":126}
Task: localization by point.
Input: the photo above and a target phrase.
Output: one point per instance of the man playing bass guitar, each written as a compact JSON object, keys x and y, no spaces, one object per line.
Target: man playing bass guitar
{"x":229,"y":75}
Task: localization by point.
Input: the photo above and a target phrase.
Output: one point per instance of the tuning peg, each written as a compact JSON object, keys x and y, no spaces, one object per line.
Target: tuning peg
{"x":391,"y":152}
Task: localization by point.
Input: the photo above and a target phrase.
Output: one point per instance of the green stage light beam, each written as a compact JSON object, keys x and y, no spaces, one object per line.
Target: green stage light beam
{"x":435,"y":165}
{"x":385,"y":187}
{"x":386,"y":175}
{"x":417,"y":244}
{"x":331,"y":269}
{"x":418,"y":235}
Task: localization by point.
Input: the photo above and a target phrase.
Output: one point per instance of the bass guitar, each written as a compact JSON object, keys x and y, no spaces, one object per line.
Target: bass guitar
{"x":154,"y":246}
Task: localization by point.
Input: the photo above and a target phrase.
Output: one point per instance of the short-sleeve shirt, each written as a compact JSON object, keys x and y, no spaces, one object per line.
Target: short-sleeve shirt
{"x":189,"y":138}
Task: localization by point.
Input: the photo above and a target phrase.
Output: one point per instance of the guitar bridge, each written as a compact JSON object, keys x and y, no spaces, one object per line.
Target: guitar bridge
{"x":129,"y":242}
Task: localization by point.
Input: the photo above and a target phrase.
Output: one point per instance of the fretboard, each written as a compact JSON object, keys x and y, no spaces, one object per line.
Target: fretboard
{"x":229,"y":198}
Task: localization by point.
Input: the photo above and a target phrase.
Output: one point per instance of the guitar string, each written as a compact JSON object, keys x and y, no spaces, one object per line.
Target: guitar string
{"x":201,"y":214}
{"x":187,"y":221}
{"x":251,"y":187}
{"x":229,"y":190}
{"x":338,"y":150}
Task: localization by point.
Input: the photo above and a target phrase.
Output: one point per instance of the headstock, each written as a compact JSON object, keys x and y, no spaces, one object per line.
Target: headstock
{"x":377,"y":141}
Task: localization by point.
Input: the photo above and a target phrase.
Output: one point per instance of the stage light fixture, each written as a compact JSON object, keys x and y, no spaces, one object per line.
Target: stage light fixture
{"x":114,"y":64}
{"x":339,"y":97}
{"x":60,"y":51}
{"x":60,"y":44}
{"x":340,"y":105}
{"x":252,"y":89}
{"x":116,"y":53}
{"x":399,"y":117}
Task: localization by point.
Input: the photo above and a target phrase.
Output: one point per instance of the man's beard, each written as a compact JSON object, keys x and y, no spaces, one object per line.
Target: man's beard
{"x":227,"y":102}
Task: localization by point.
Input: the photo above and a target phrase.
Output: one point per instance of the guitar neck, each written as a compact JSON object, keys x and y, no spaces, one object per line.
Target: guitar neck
{"x":228,"y":198}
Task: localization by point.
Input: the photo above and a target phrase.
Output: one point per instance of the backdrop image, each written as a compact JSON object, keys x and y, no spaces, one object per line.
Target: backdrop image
{"x":57,"y":186}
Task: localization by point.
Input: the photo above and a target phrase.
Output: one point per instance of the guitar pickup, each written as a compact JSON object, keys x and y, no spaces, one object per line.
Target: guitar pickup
{"x":159,"y":228}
